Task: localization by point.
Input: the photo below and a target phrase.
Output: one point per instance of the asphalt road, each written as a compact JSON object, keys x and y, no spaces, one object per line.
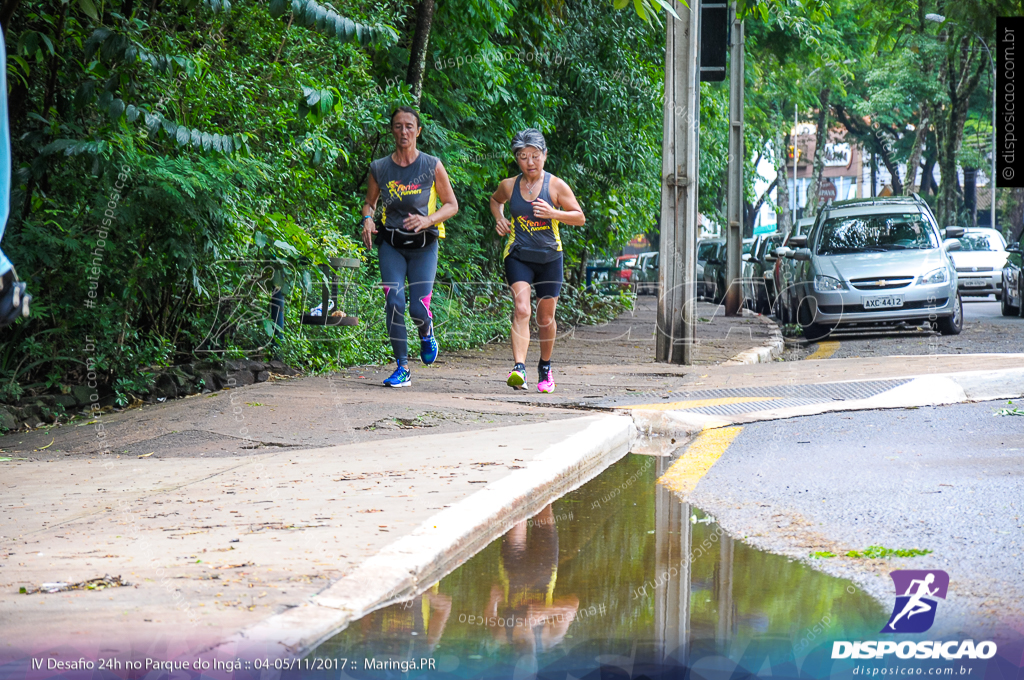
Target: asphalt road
{"x":946,"y":479}
{"x":985,"y":331}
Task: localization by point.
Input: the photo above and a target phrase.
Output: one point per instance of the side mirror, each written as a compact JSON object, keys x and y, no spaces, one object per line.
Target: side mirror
{"x":747,"y":257}
{"x":770,"y":257}
{"x":797,"y":241}
{"x":783,"y":251}
{"x":951,"y":244}
{"x":802,"y":254}
{"x":954,"y":232}
{"x":1015,"y":250}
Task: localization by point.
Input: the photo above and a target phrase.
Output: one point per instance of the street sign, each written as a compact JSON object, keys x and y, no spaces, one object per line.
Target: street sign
{"x":827,"y":192}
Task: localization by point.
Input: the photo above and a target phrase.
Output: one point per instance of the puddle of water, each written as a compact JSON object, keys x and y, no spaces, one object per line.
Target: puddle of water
{"x":616,"y":573}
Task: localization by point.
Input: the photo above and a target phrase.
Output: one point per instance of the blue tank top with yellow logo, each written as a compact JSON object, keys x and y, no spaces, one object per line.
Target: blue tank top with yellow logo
{"x":530,"y":232}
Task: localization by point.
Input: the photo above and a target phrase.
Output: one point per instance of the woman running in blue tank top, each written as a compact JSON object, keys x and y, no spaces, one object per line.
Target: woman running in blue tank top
{"x":538,"y":202}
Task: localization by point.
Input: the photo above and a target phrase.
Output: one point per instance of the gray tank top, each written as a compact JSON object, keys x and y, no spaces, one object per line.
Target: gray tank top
{"x":530,"y":234}
{"x":407,"y":191}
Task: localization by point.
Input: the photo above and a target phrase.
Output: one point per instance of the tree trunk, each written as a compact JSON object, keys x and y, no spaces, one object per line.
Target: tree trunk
{"x":750,"y":215}
{"x":7,"y":10}
{"x":884,"y":145}
{"x":418,"y":49}
{"x":957,"y":77}
{"x":1016,"y":215}
{"x":928,"y":182}
{"x":820,"y":139}
{"x":971,"y":196}
{"x":914,"y":162}
{"x":782,"y":181}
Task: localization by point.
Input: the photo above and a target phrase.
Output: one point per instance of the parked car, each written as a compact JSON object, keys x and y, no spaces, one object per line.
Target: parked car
{"x":715,"y":266}
{"x":979,"y":262}
{"x":1012,"y":281}
{"x":784,"y":306}
{"x":625,"y":264}
{"x":877,"y":261}
{"x":758,"y":273}
{"x":714,"y":270}
{"x":706,"y":248}
{"x":645,"y":273}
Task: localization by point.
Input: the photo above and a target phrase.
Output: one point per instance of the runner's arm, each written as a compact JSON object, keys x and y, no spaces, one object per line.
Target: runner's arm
{"x":369,"y":207}
{"x":449,"y":204}
{"x":498,"y":200}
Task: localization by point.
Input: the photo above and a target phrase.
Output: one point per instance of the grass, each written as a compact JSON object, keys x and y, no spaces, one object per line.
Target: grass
{"x":873,"y":552}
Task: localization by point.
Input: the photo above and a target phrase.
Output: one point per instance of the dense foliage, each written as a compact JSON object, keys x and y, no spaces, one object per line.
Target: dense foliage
{"x":176,"y":161}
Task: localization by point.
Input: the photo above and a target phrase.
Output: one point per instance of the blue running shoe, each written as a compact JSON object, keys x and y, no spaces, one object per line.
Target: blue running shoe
{"x":428,"y":349}
{"x":400,"y":378}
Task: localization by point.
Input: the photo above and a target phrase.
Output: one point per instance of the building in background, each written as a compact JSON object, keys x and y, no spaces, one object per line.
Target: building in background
{"x":849,"y":168}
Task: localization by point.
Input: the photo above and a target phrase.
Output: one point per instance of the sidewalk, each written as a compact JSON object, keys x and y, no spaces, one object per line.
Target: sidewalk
{"x":238,"y":511}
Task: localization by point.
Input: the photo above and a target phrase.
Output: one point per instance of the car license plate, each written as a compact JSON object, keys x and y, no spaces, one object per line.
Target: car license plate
{"x":883,"y":302}
{"x":974,"y":283}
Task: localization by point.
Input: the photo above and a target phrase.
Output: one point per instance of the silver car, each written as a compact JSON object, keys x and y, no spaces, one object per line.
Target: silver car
{"x":877,"y":261}
{"x":979,"y":262}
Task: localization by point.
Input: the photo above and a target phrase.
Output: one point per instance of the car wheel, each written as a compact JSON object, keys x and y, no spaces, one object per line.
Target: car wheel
{"x":1004,"y":303}
{"x":953,"y":324}
{"x":816,"y":331}
{"x":805,"y":317}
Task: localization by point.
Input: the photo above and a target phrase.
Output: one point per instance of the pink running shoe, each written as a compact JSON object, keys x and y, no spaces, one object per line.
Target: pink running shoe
{"x":546,"y":381}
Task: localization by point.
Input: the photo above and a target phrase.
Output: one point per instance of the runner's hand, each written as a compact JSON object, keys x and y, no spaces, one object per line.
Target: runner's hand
{"x":369,"y":229}
{"x":543,"y":209}
{"x":416,"y":223}
{"x":502,"y":226}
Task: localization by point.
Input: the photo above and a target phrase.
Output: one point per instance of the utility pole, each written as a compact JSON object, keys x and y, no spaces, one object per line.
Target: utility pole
{"x":679,"y":158}
{"x":734,"y":185}
{"x":796,"y":189}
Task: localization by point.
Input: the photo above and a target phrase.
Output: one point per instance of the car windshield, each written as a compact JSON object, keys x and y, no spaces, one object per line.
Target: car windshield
{"x":875,"y":233}
{"x":976,"y":242}
{"x":705,"y":250}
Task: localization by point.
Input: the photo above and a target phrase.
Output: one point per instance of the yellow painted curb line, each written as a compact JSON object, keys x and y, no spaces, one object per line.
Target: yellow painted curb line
{"x":824,"y":351}
{"x":698,"y":403}
{"x":707,"y":448}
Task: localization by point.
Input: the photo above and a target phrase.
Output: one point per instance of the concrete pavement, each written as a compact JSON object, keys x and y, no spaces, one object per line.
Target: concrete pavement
{"x":292,"y":486}
{"x":945,"y":479}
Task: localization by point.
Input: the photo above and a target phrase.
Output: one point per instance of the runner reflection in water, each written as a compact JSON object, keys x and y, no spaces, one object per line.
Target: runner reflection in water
{"x":419,"y":621}
{"x":522,"y":610}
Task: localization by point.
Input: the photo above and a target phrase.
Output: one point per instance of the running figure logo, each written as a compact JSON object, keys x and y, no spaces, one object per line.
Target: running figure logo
{"x":914,"y":611}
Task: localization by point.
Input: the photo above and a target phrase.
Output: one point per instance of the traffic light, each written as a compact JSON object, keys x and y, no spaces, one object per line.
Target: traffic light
{"x":714,"y":40}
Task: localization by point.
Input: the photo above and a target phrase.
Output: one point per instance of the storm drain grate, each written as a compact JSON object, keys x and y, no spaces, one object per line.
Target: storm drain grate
{"x":774,"y":396}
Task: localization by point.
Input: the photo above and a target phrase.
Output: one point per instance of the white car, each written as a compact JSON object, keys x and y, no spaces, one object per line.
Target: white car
{"x":979,"y":262}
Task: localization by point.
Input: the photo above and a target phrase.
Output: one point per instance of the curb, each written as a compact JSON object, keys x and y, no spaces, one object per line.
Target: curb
{"x":762,"y":354}
{"x":922,"y":390}
{"x":442,"y":543}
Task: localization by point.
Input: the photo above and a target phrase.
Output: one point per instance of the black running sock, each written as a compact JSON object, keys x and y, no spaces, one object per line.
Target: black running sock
{"x":519,"y":367}
{"x":543,"y":369}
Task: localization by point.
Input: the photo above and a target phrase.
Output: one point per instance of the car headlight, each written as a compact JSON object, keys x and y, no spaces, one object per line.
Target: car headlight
{"x":827,"y":284}
{"x":939,"y":275}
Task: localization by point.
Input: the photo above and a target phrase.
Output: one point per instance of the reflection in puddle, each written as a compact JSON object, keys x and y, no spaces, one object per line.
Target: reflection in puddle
{"x":619,"y":569}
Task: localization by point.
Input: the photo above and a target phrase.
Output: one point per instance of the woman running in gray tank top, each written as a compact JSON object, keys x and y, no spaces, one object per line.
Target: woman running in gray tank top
{"x":533,"y":251}
{"x":407,"y":235}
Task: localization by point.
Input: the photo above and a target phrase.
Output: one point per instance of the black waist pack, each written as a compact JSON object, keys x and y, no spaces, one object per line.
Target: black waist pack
{"x":400,"y":238}
{"x":536,"y":255}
